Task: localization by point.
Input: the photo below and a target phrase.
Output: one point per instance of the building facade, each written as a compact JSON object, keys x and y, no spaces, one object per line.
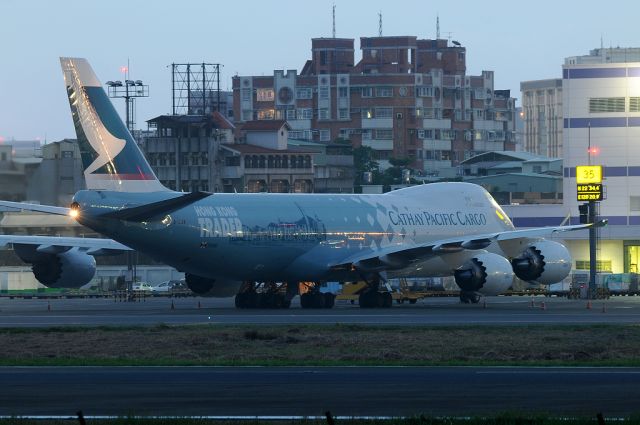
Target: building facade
{"x":601,"y":126}
{"x":406,"y":98}
{"x":183,"y":150}
{"x":542,"y":116}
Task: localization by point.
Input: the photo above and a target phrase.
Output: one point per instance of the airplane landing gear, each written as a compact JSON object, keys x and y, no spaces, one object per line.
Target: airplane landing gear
{"x":371,"y":297}
{"x":469,"y":297}
{"x":263,"y":295}
{"x":375,"y":299}
{"x":313,"y":298}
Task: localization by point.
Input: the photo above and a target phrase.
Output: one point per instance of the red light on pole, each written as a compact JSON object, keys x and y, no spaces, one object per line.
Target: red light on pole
{"x":593,"y":150}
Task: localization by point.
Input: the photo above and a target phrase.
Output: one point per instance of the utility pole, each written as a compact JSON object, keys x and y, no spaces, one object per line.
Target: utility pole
{"x":593,"y":253}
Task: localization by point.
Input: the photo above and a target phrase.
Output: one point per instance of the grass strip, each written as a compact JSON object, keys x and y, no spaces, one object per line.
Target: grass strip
{"x":324,"y":345}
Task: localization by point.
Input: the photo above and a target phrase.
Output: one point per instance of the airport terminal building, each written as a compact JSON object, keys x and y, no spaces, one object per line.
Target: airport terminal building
{"x":601,"y":111}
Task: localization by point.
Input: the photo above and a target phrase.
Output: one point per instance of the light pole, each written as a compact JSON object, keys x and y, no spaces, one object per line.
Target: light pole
{"x":128,"y":90}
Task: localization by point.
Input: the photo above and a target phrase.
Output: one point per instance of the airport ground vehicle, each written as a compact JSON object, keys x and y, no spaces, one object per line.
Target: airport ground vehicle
{"x":142,"y":286}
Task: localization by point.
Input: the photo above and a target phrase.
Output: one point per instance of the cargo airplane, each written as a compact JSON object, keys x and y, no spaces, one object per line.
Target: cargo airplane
{"x":225,"y":242}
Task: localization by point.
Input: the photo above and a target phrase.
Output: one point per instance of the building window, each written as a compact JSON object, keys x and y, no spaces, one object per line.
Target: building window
{"x":325,"y":135}
{"x":291,"y":114}
{"x":634,"y":203}
{"x":343,"y":92}
{"x":246,"y":95}
{"x":424,"y":91}
{"x":447,"y":134}
{"x":305,"y":114}
{"x":323,"y":114}
{"x":479,"y":114}
{"x":634,"y":104}
{"x":384,"y":112}
{"x":606,"y":104}
{"x":323,"y":92}
{"x":266,"y":114}
{"x":384,"y":134}
{"x":232,"y":161}
{"x":478,"y":135}
{"x":384,"y":91}
{"x":264,"y":95}
{"x":343,"y":114}
{"x":601,"y":265}
{"x":367,"y":92}
{"x":247,"y":115}
{"x":303,"y":93}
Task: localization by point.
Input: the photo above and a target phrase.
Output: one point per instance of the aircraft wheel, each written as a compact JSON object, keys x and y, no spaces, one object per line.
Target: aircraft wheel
{"x":387,"y":299}
{"x":305,"y":300}
{"x":239,"y":300}
{"x":318,"y":300}
{"x":285,"y":303}
{"x":329,"y":300}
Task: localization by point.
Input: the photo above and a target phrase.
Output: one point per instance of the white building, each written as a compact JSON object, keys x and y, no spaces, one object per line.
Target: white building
{"x":601,"y":108}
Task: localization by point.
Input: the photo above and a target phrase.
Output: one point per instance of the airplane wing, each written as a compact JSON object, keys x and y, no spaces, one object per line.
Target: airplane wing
{"x":400,"y":256}
{"x":23,"y":206}
{"x":56,"y":244}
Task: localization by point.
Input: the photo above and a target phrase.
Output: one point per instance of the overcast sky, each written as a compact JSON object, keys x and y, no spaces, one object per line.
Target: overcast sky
{"x":519,"y":40}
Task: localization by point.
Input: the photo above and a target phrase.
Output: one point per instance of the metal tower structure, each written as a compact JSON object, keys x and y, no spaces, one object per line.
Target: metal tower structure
{"x":195,"y":88}
{"x":128,"y":91}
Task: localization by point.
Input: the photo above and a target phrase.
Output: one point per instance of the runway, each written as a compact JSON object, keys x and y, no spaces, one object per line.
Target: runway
{"x":260,"y":391}
{"x":433,"y":311}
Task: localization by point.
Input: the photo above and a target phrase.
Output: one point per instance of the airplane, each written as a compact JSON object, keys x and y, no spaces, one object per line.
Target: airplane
{"x":225,"y":242}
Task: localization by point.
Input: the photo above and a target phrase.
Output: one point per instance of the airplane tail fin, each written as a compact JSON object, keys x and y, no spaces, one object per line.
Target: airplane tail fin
{"x":110,"y":156}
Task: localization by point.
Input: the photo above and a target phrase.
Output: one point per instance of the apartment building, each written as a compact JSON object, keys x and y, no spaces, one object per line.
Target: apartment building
{"x":542,"y":116}
{"x":405,"y":98}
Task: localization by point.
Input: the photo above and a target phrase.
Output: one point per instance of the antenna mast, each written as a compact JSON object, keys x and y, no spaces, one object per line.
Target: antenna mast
{"x":437,"y":27}
{"x":380,"y":24}
{"x":334,"y":20}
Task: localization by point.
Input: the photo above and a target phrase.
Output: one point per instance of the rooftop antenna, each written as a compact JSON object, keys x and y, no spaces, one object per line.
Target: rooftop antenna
{"x":380,"y":24}
{"x":437,"y":27}
{"x":334,"y":20}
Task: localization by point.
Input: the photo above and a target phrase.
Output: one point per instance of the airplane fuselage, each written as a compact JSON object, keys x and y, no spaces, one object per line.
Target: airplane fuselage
{"x":266,"y":237}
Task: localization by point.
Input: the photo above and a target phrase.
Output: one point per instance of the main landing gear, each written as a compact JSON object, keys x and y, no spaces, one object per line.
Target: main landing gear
{"x":371,"y":297}
{"x":469,"y":297}
{"x":273,"y":295}
{"x":313,"y":298}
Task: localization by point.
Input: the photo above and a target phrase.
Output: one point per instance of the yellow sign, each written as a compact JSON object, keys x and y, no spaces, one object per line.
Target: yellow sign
{"x":589,"y":174}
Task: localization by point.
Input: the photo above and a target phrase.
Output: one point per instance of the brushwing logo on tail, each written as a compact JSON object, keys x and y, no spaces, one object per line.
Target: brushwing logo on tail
{"x":110,"y":156}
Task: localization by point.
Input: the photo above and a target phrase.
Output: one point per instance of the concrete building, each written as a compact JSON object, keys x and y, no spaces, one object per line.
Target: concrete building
{"x":59,"y":176}
{"x":264,"y":162}
{"x":516,"y":177}
{"x":601,"y":109}
{"x":406,"y":98}
{"x":542,"y":116}
{"x":183,"y":151}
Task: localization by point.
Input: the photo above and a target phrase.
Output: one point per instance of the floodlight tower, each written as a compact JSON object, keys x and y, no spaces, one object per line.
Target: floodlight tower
{"x":128,"y":90}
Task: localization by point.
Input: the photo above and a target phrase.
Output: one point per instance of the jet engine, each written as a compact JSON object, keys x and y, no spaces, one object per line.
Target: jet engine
{"x":205,"y":287}
{"x":68,"y":269}
{"x":487,"y":273}
{"x":543,"y":262}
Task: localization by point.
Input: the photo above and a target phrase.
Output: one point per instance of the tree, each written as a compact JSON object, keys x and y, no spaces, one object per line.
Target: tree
{"x":363,"y":160}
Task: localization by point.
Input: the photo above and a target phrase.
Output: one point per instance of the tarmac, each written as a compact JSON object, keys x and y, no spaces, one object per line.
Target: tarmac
{"x":501,"y":310}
